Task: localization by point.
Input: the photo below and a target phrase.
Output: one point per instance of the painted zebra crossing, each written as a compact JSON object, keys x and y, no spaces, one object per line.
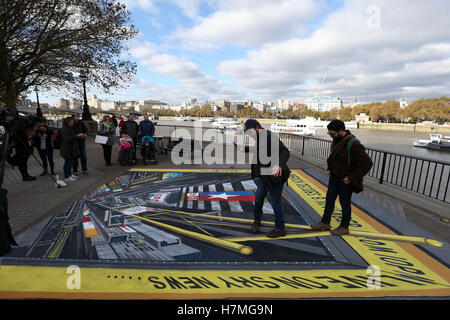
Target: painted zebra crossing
{"x":191,"y":197}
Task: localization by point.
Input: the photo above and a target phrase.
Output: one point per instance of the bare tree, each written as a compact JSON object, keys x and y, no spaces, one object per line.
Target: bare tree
{"x":49,"y":43}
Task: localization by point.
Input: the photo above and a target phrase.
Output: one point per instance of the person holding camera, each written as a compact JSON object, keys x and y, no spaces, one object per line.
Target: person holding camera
{"x":23,"y":150}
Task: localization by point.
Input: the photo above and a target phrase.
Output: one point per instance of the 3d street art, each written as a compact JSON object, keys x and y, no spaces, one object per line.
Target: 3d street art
{"x":185,"y":234}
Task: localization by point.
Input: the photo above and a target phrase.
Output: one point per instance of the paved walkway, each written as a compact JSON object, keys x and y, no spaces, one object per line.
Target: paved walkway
{"x":31,"y":202}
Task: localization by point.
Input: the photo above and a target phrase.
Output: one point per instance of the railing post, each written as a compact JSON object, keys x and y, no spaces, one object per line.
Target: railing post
{"x":303,"y":146}
{"x":383,"y":166}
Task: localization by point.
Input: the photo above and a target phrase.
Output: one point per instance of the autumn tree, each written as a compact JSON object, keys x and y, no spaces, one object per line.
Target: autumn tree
{"x":49,"y":43}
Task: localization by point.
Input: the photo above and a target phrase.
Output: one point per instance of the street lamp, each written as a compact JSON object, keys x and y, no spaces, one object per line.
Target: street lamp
{"x":38,"y":110}
{"x":86,"y":113}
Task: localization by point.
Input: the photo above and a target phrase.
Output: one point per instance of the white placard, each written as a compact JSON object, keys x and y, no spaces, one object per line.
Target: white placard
{"x":101,"y":139}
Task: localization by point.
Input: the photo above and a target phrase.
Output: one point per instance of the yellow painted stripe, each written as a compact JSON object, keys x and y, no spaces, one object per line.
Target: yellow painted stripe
{"x":288,"y":236}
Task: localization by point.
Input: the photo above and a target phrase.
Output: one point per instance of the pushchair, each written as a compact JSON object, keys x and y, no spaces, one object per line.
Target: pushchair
{"x":125,"y":150}
{"x":148,"y":150}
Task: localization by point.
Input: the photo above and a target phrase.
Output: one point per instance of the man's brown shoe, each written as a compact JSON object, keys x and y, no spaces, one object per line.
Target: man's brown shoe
{"x":340,"y":231}
{"x":255,"y":227}
{"x":321,"y":226}
{"x":275,"y":233}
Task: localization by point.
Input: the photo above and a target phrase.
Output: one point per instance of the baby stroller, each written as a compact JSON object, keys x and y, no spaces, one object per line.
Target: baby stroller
{"x":148,"y":150}
{"x":125,"y":150}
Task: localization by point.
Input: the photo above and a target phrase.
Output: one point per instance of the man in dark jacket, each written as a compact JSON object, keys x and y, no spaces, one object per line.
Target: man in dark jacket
{"x":146,"y":127}
{"x":131,"y":128}
{"x":70,"y":149}
{"x":346,"y":171}
{"x":270,"y":173}
{"x":80,"y":127}
{"x":23,"y":150}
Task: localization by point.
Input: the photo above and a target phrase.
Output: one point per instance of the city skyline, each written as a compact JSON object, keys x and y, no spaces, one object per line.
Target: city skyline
{"x":268,"y":50}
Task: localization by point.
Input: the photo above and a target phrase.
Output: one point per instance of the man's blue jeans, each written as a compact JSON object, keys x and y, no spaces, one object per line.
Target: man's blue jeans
{"x":274,"y":198}
{"x":83,"y":157}
{"x":47,"y":154}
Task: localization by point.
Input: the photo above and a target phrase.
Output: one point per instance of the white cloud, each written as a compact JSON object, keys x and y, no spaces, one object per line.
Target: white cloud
{"x":411,"y":49}
{"x":187,"y":73}
{"x":148,"y":5}
{"x":250,"y":22}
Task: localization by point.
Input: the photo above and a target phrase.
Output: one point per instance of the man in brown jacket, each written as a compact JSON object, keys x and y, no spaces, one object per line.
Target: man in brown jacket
{"x":348,"y":163}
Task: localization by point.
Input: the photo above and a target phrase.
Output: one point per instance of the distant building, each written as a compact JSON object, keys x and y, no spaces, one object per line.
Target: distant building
{"x":362,"y":118}
{"x":63,"y":103}
{"x":283,"y":104}
{"x":403,"y":103}
{"x":323,"y":103}
{"x":107,"y":105}
{"x":75,"y":104}
{"x":93,"y":102}
{"x":152,"y":104}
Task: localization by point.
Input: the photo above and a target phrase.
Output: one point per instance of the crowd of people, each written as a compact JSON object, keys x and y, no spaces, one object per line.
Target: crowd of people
{"x":71,"y":142}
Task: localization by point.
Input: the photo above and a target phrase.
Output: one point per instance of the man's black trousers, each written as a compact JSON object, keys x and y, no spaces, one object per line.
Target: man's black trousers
{"x":337,"y":187}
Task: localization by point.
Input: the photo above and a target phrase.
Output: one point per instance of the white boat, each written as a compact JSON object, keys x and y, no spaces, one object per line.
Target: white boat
{"x":226,"y":123}
{"x":437,"y":142}
{"x":187,"y":118}
{"x":351,"y":125}
{"x":297,"y":127}
{"x":421,"y":143}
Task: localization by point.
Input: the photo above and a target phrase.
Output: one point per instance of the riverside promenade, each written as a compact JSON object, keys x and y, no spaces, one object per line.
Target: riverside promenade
{"x":381,"y":208}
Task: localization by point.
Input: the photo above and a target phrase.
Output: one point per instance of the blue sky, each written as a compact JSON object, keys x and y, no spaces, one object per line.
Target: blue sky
{"x":270,"y":49}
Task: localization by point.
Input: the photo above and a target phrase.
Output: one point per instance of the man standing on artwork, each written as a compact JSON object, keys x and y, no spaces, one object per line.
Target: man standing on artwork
{"x":270,"y":176}
{"x":347,"y":164}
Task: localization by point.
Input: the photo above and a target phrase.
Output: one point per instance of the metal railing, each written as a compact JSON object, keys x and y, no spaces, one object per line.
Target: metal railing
{"x":428,"y":177}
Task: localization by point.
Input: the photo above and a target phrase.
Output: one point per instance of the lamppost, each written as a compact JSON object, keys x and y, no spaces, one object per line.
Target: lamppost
{"x":38,"y":110}
{"x":86,"y":113}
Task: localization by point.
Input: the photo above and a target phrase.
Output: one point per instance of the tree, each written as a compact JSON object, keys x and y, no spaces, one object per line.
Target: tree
{"x":391,"y":110}
{"x":346,"y":114}
{"x":49,"y":43}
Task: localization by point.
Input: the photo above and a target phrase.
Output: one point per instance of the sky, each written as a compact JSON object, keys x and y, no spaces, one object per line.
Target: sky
{"x":265,"y":50}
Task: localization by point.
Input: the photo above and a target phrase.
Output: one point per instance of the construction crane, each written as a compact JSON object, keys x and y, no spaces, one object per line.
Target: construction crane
{"x":324,"y":78}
